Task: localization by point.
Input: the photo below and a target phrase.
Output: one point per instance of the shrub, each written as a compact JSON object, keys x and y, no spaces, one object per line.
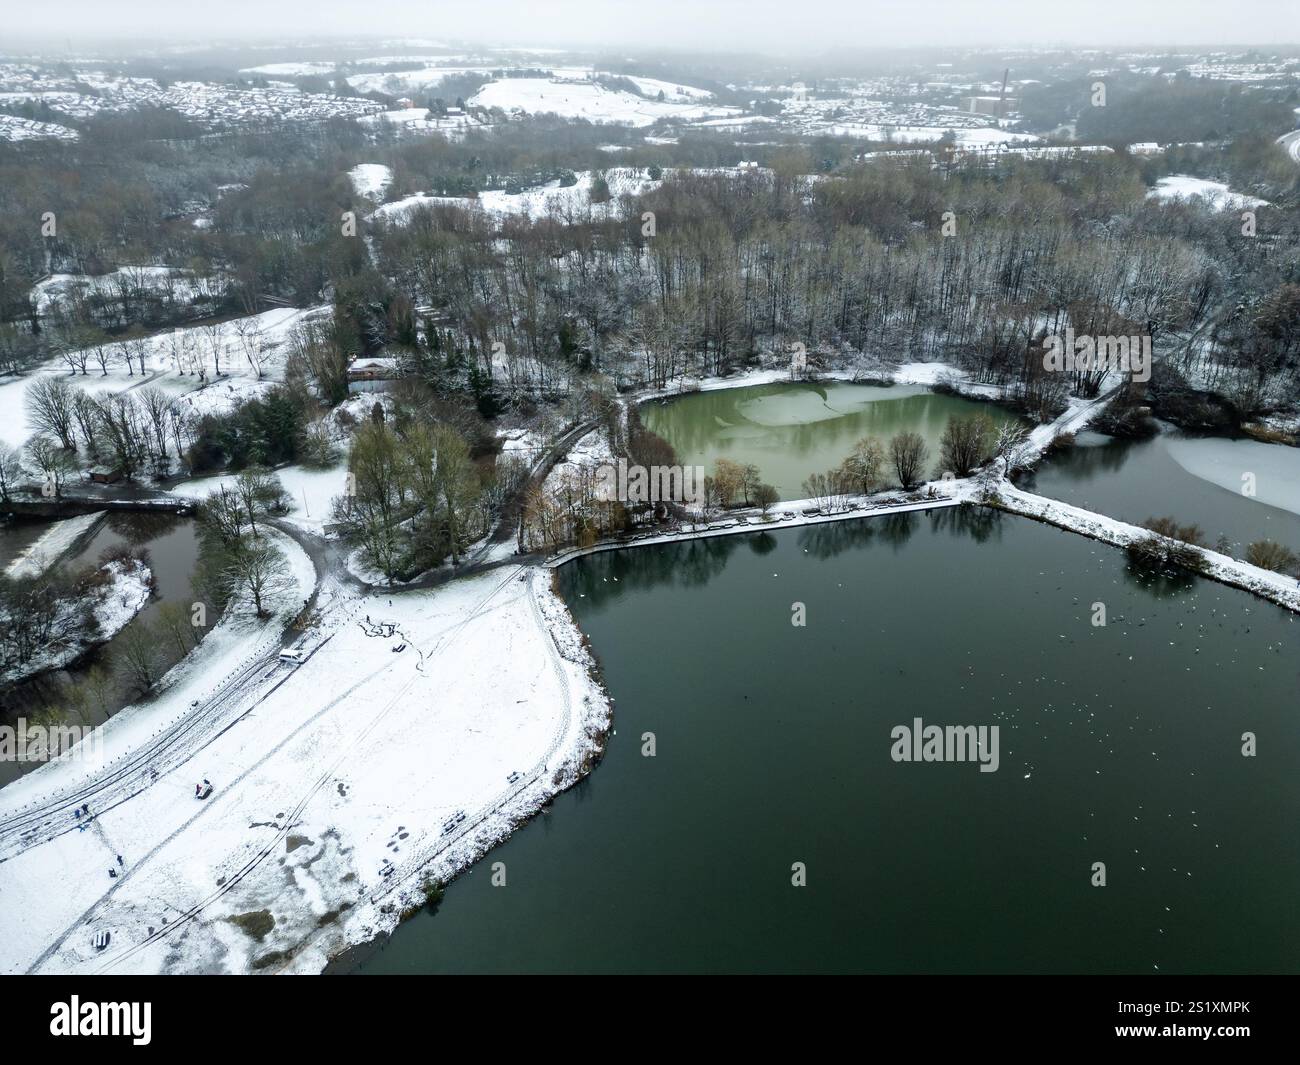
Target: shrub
{"x":1268,"y":554}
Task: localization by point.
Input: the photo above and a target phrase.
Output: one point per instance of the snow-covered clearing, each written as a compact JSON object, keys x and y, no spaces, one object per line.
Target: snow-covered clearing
{"x":591,"y":451}
{"x":180,"y":287}
{"x":361,"y":773}
{"x":270,"y":331}
{"x":371,"y":180}
{"x":311,"y":493}
{"x":535,"y":202}
{"x":1217,"y":195}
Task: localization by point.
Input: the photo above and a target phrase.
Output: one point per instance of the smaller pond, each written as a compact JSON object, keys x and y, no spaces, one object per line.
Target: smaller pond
{"x":172,"y":547}
{"x":792,"y":429}
{"x":1198,"y":480}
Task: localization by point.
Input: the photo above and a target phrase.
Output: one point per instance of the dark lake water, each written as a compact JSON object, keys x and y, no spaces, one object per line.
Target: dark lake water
{"x":1119,"y":744}
{"x":1199,"y":480}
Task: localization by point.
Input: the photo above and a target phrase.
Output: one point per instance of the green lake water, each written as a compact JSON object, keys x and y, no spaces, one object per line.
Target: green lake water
{"x":790,"y":430}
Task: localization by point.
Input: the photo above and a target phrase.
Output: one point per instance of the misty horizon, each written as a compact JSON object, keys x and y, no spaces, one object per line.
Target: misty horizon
{"x":721,"y":27}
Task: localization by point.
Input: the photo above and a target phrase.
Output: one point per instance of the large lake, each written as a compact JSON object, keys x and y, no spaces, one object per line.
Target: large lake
{"x":1119,"y":744}
{"x":790,"y":430}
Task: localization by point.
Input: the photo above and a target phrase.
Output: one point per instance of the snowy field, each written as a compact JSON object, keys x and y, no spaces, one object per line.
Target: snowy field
{"x":535,"y":202}
{"x":271,"y":331}
{"x":164,"y":282}
{"x":1217,"y":196}
{"x":343,"y":784}
{"x":587,"y":100}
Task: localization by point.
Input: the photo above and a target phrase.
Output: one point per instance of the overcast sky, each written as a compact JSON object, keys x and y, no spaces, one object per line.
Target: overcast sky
{"x":715,"y":25}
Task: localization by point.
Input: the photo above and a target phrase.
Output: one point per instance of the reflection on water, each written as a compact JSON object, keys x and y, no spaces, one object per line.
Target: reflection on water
{"x":1119,"y":744}
{"x":791,"y":430}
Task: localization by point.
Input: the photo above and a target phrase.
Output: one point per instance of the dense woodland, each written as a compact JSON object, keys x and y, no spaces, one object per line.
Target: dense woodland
{"x":862,"y":260}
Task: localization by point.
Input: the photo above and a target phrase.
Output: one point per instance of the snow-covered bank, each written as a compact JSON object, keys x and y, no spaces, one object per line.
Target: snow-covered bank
{"x":791,"y":514}
{"x":205,"y":675}
{"x":112,"y":604}
{"x":345,"y":784}
{"x":1276,"y":587}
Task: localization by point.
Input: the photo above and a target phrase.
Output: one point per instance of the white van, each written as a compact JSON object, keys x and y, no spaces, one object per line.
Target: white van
{"x":293,"y":656}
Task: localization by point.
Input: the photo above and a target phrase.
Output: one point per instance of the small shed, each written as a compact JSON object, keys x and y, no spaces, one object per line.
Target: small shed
{"x":104,"y":474}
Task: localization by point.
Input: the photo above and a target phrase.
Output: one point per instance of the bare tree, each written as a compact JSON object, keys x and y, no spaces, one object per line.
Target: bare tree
{"x":85,"y":412}
{"x":223,"y":513}
{"x":137,"y":654}
{"x":215,"y":335}
{"x":135,"y":346}
{"x":908,"y":452}
{"x":124,"y":429}
{"x":258,"y":569}
{"x":157,"y":406}
{"x":49,"y":402}
{"x":1007,"y":444}
{"x":249,"y":333}
{"x":862,"y":467}
{"x":260,"y":493}
{"x":54,"y":462}
{"x":11,"y":470}
{"x":966,"y":445}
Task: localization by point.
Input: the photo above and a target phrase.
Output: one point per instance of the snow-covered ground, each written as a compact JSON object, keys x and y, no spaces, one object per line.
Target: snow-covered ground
{"x":371,"y":180}
{"x":271,"y":331}
{"x":1291,"y":143}
{"x":311,"y":493}
{"x":1217,"y":196}
{"x":164,"y":282}
{"x":535,"y":202}
{"x":423,"y":120}
{"x":354,"y":778}
{"x":587,"y":100}
{"x":588,"y":453}
{"x":987,"y":137}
